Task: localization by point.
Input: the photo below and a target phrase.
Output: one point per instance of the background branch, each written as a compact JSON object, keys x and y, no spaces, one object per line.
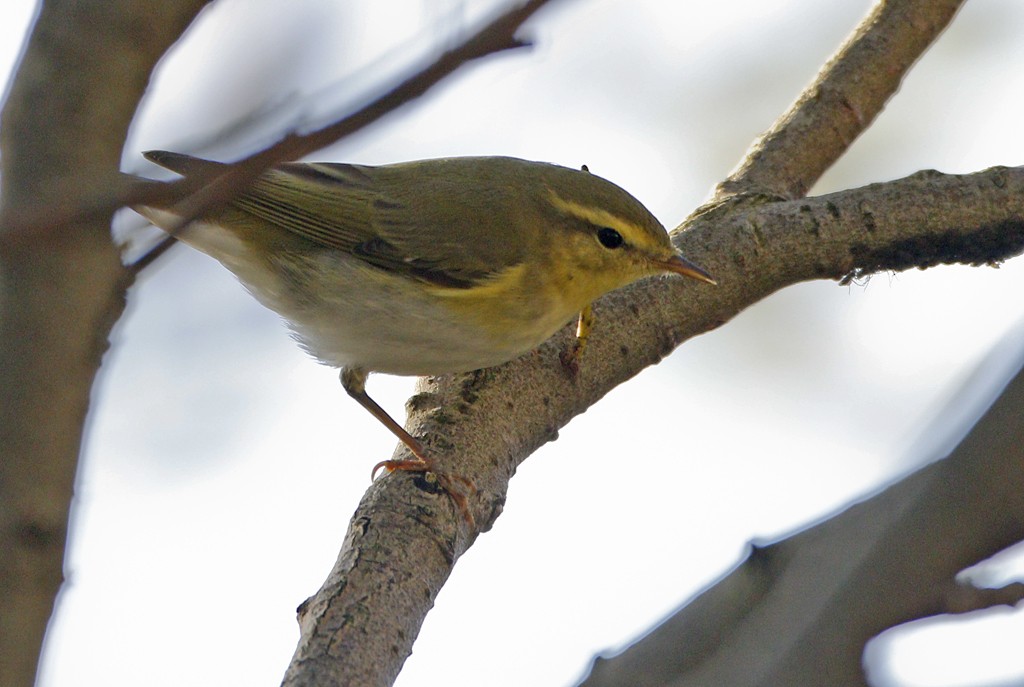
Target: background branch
{"x":60,"y":299}
{"x":799,"y":611}
{"x":206,"y":190}
{"x":965,"y":598}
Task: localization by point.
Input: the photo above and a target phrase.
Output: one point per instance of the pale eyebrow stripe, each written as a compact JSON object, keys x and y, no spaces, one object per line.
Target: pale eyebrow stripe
{"x":596,"y":216}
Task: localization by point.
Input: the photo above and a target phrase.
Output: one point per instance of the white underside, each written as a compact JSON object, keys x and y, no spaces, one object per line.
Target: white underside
{"x":357,"y":319}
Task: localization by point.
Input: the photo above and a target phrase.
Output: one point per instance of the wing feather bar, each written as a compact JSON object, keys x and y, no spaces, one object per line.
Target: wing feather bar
{"x":322,"y":208}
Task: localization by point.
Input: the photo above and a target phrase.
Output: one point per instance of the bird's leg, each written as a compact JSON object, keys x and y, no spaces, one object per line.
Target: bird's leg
{"x":574,"y":354}
{"x":353,"y":379}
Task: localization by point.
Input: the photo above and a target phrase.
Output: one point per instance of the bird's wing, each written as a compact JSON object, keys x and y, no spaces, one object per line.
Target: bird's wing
{"x":416,"y":222}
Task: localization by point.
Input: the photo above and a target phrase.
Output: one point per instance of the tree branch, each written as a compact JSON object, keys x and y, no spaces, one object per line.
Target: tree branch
{"x":63,"y":127}
{"x":963,"y":598}
{"x":799,"y":612}
{"x":62,"y":295}
{"x":405,"y":538}
{"x":206,"y":191}
{"x":203,"y":191}
{"x":847,"y":95}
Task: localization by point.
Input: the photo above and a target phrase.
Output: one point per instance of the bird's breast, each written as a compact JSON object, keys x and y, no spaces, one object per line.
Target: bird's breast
{"x":347,"y":313}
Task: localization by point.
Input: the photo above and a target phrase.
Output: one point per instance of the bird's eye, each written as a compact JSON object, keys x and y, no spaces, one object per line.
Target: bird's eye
{"x":609,"y":238}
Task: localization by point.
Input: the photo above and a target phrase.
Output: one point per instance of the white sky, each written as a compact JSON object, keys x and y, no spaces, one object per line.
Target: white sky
{"x":222,"y":464}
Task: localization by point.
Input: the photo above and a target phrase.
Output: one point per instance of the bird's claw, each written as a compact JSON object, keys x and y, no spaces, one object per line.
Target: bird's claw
{"x":455,"y":486}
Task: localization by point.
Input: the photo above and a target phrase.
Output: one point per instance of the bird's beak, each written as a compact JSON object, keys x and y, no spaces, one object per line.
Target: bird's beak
{"x":680,"y":265}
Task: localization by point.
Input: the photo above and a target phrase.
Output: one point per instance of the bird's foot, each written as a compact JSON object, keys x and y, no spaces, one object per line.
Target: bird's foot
{"x":458,"y":488}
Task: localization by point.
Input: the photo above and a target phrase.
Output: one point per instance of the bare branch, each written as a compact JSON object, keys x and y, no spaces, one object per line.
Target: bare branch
{"x":962,"y":598}
{"x":800,"y":611}
{"x":63,"y":128}
{"x":847,"y":95}
{"x":215,"y":190}
{"x":204,"y":191}
{"x":471,"y":426}
{"x":497,"y":36}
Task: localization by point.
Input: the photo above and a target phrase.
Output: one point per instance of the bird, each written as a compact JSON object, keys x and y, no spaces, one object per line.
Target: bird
{"x":426,"y":267}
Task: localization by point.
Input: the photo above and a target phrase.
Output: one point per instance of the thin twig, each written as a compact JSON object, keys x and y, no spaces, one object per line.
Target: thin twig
{"x":204,"y":191}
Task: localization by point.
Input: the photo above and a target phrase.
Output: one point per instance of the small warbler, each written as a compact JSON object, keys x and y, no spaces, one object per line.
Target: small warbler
{"x":429,"y":267}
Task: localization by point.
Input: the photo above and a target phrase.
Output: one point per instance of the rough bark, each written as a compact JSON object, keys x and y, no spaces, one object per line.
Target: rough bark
{"x":482,"y":425}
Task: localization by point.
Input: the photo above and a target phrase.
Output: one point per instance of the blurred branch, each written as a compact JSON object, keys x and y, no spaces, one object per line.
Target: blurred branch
{"x":208,"y":191}
{"x":847,"y":95}
{"x":961,"y":598}
{"x":799,"y":612}
{"x":496,"y":36}
{"x":204,"y":191}
{"x":64,"y":122}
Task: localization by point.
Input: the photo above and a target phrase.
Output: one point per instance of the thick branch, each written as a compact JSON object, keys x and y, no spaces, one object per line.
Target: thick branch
{"x":63,"y":127}
{"x":799,"y":612}
{"x":921,"y":221}
{"x":405,"y":539}
{"x":847,"y":95}
{"x":472,"y":426}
